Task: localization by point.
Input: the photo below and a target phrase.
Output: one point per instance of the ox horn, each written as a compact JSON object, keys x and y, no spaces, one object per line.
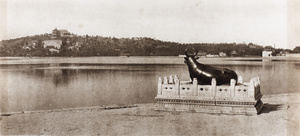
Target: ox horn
{"x":186,"y":52}
{"x":196,"y":52}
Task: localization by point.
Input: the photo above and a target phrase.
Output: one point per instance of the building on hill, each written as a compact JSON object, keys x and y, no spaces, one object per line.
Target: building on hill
{"x":269,"y":47}
{"x":57,"y":33}
{"x":30,"y":44}
{"x":64,"y":33}
{"x":253,"y":46}
{"x":52,"y":44}
{"x":76,"y":46}
{"x":52,"y":49}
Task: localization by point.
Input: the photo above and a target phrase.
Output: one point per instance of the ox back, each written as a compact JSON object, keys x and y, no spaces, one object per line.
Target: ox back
{"x":205,"y":73}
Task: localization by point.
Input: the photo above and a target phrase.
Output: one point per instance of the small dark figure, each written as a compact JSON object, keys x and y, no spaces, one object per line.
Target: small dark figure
{"x":205,"y":73}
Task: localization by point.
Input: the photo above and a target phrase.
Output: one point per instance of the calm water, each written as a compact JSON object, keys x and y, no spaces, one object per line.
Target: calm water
{"x":38,"y":86}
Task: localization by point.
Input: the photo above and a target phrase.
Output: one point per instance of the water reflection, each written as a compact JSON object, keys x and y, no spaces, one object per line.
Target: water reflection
{"x":52,"y":86}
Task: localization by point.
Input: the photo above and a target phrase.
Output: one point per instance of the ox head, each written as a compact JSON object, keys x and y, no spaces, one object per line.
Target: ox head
{"x":190,"y":56}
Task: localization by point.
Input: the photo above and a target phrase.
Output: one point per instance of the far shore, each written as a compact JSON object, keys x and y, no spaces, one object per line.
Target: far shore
{"x":137,"y":60}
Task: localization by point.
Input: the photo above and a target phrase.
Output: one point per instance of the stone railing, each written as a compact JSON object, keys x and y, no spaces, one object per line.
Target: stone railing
{"x":173,"y":88}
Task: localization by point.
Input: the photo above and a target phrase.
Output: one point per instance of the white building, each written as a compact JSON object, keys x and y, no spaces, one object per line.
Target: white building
{"x":267,"y":53}
{"x":222,"y":54}
{"x":52,"y":43}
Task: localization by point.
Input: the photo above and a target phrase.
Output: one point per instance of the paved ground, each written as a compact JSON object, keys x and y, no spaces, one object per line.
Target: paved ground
{"x":280,"y":116}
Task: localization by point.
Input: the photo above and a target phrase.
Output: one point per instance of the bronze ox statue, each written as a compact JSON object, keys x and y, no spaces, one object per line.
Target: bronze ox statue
{"x":205,"y":73}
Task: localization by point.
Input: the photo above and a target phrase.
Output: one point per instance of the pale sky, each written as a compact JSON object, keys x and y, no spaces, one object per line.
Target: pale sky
{"x":263,"y":22}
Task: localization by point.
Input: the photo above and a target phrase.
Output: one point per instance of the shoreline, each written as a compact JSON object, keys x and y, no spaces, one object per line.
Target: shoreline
{"x":140,"y":60}
{"x":110,"y":107}
{"x":69,"y":109}
{"x":280,"y":116}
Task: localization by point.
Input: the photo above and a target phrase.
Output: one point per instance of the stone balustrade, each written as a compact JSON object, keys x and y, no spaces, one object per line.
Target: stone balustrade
{"x":172,"y":91}
{"x":174,"y":88}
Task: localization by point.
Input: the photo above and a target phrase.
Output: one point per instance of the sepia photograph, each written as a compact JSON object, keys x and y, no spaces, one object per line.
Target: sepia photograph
{"x":150,"y":67}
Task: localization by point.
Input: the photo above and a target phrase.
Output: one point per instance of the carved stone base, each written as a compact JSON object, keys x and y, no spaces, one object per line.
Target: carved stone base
{"x":212,"y":107}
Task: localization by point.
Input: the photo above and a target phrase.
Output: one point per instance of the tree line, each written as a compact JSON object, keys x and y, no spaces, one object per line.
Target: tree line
{"x":111,"y":46}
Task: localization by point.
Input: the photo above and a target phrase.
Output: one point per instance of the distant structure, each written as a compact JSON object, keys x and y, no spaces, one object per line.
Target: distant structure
{"x":30,"y":44}
{"x":252,"y":46}
{"x":267,"y":53}
{"x":233,"y":53}
{"x":52,"y":45}
{"x":212,"y":55}
{"x":222,"y":54}
{"x":282,"y":53}
{"x":58,"y":33}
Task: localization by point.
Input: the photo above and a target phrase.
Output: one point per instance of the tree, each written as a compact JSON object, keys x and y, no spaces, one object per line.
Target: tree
{"x":296,"y":49}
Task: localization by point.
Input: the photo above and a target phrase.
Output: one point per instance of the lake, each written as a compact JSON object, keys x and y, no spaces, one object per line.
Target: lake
{"x":53,"y":83}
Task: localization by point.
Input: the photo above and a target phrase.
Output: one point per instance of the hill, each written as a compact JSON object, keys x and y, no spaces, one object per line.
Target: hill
{"x":78,"y":45}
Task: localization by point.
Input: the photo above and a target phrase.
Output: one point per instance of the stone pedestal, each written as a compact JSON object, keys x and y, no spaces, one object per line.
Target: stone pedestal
{"x":244,"y":98}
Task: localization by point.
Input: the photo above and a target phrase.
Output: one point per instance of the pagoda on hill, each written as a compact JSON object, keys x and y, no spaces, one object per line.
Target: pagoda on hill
{"x":58,"y":33}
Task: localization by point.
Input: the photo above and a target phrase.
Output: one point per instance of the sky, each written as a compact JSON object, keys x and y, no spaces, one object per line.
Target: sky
{"x":263,"y":22}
